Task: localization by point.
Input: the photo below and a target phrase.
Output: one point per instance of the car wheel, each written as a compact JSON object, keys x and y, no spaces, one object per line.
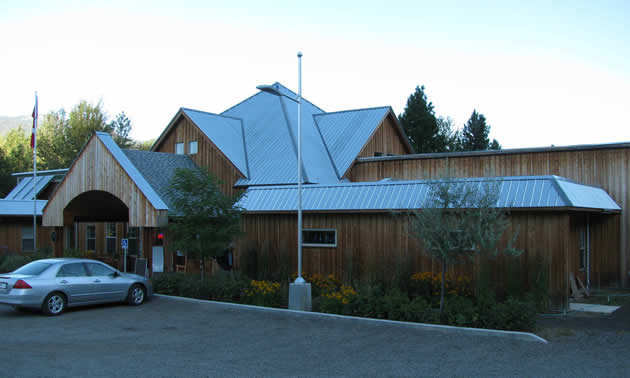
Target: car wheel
{"x":136,"y":295}
{"x":54,"y":304}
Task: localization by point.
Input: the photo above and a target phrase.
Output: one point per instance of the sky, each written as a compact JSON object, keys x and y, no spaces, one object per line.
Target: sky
{"x":542,"y":72}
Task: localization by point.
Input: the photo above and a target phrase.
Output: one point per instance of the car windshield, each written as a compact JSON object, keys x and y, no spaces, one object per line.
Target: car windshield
{"x":32,"y":269}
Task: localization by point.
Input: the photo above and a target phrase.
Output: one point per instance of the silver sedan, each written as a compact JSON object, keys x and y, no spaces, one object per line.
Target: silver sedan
{"x":54,"y":284}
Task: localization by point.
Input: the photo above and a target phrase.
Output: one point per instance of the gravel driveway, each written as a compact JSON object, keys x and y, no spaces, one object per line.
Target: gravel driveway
{"x":170,"y":337}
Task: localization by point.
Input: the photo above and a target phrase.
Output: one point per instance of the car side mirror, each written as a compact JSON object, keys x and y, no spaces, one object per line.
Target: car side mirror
{"x":115,"y":274}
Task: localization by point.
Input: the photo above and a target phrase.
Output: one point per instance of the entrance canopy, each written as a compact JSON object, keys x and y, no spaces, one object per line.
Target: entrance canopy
{"x":106,"y":183}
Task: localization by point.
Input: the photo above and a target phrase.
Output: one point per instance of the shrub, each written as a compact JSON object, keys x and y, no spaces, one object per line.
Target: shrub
{"x":263,"y":293}
{"x":395,"y":304}
{"x":515,"y":315}
{"x":460,"y":311}
{"x":321,"y":285}
{"x":419,"y":310}
{"x":73,"y":252}
{"x":220,"y":287}
{"x":12,"y":262}
{"x":428,"y":285}
{"x":339,"y":302}
{"x":368,"y":302}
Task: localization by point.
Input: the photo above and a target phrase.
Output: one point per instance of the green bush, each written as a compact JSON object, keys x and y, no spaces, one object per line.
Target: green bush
{"x":395,"y":304}
{"x":263,"y":293}
{"x":419,"y":310}
{"x":72,"y":252}
{"x":12,"y":262}
{"x":460,"y":311}
{"x":515,"y":315}
{"x":220,"y":287}
{"x":369,"y":302}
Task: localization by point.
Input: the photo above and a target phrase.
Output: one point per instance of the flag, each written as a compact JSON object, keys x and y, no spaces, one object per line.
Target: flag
{"x":34,"y":123}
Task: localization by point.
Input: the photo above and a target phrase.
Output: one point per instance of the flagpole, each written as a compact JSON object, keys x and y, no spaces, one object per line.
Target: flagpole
{"x":34,"y":145}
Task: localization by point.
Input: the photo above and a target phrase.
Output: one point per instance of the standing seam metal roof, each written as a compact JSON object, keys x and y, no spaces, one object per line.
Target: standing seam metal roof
{"x":514,"y":192}
{"x":226,"y":133}
{"x":24,"y":189}
{"x":346,"y":132}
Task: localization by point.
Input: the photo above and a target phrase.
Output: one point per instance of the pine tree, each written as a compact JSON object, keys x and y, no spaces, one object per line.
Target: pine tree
{"x":419,"y":123}
{"x":475,"y":134}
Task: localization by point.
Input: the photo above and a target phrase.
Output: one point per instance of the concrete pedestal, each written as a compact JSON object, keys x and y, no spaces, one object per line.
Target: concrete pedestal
{"x":300,"y":296}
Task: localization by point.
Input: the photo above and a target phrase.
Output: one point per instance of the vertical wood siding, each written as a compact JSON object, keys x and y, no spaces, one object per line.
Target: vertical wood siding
{"x":379,"y":245}
{"x":96,"y":169}
{"x":208,"y":155}
{"x":11,"y":235}
{"x":607,"y":168}
{"x":386,"y":139}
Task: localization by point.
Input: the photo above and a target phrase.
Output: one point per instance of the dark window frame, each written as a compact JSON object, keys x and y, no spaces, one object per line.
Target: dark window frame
{"x":29,"y":230}
{"x":308,"y":241}
{"x":91,"y":238}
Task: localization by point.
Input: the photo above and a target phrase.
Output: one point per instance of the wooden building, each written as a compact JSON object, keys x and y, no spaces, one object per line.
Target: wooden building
{"x":349,"y":158}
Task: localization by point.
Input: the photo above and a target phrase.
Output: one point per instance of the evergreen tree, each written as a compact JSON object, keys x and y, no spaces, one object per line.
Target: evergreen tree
{"x":419,"y":123}
{"x":475,"y":134}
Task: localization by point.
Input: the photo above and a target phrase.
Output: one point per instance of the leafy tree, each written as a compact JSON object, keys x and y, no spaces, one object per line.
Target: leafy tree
{"x":206,"y":220}
{"x":475,"y":134}
{"x":460,"y":220}
{"x":420,"y":124}
{"x":144,"y":145}
{"x":61,"y":136}
{"x":120,"y":128}
{"x":16,"y":155}
{"x":53,"y":147}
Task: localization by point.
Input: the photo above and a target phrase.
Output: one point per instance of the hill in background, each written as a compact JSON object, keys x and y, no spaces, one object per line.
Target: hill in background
{"x":8,"y":123}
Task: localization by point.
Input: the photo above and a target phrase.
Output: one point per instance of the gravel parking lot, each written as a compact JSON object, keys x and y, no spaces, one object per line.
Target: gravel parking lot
{"x":170,"y":337}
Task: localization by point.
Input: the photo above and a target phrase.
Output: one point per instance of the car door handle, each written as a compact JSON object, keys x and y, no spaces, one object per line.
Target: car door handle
{"x":63,"y":281}
{"x":97,"y":281}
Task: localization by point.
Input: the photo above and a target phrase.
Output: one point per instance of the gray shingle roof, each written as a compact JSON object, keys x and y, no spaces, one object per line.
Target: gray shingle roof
{"x":158,"y":168}
{"x":526,"y":192}
{"x":132,"y":171}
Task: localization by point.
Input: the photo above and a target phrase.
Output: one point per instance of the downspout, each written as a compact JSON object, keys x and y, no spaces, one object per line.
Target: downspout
{"x":588,"y":251}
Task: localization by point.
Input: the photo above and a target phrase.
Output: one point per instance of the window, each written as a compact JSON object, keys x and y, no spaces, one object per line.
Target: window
{"x":91,"y":237}
{"x":27,"y":239}
{"x":192,"y":147}
{"x":132,"y":237}
{"x":110,"y":238}
{"x":72,"y":270}
{"x":179,"y":148}
{"x":319,"y":238}
{"x":97,"y":269}
{"x":582,"y":246}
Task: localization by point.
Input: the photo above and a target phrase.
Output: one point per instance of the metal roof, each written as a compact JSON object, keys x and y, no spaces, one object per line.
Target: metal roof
{"x":226,"y":133}
{"x":24,"y":189}
{"x":512,"y":151}
{"x":270,"y":130}
{"x":132,"y":171}
{"x":20,"y":207}
{"x":346,"y":132}
{"x":514,"y":192}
